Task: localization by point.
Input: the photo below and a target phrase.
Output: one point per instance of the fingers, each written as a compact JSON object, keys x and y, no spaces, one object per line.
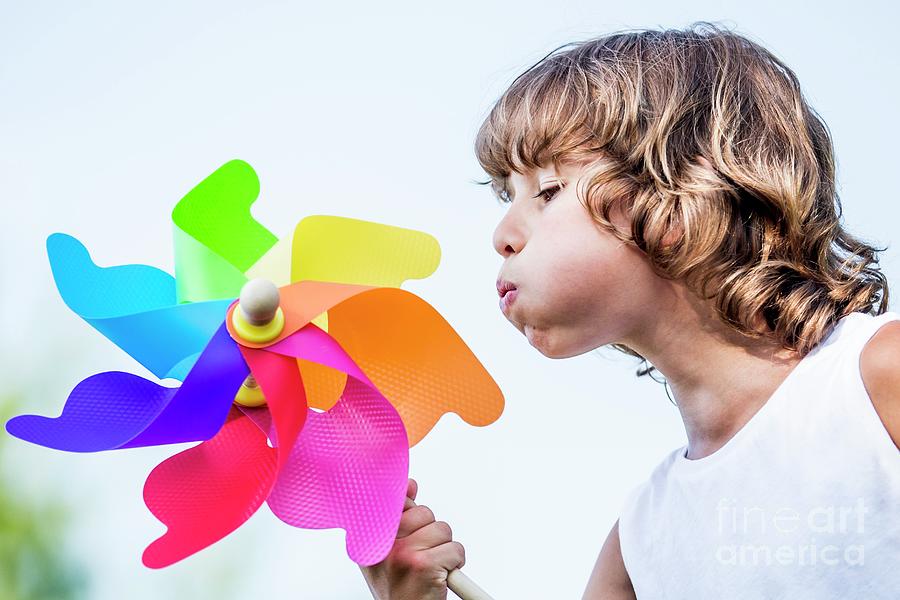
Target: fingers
{"x":423,"y":555}
{"x":411,"y":490}
{"x":431,"y":539}
{"x":430,"y":536}
{"x":413,"y":519}
{"x":449,"y":555}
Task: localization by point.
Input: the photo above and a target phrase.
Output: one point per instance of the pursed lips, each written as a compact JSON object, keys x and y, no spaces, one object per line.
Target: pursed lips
{"x":507,"y":292}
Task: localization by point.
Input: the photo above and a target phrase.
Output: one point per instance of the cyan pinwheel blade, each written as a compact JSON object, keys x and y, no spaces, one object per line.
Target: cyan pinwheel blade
{"x":101,"y":292}
{"x":134,"y":306}
{"x":344,"y":250}
{"x":216,"y":237}
{"x":120,"y":410}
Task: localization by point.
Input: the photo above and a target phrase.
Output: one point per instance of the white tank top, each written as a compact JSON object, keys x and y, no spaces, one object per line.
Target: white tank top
{"x":803,"y":502}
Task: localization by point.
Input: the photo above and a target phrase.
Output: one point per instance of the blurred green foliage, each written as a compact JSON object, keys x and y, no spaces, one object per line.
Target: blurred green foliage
{"x":34,"y":564}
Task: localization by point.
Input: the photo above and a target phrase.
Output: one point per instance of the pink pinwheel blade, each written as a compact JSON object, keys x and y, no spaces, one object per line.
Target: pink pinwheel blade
{"x":348,"y":469}
{"x":349,"y":466}
{"x":204,"y":493}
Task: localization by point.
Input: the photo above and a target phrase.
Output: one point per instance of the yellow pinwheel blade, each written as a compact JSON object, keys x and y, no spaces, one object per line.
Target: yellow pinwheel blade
{"x":344,"y":250}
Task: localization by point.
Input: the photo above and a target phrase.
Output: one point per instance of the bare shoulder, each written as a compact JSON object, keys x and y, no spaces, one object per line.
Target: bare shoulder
{"x":609,"y":579}
{"x":879,"y":365}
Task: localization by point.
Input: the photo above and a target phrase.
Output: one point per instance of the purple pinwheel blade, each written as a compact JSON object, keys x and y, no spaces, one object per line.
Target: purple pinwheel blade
{"x":103,"y":411}
{"x":120,"y":410}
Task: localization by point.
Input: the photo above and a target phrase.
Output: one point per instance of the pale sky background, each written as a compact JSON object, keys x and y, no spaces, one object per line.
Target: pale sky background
{"x":111,"y":111}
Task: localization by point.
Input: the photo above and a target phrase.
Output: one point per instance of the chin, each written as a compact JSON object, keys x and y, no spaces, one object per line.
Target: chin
{"x":548,"y":344}
{"x":555,"y":344}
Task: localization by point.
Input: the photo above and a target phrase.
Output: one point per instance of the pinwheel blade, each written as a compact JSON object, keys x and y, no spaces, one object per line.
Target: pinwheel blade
{"x":343,"y":250}
{"x":417,"y":360}
{"x":279,"y":378}
{"x":204,"y":493}
{"x":348,"y":469}
{"x":216,"y":238}
{"x":120,"y":410}
{"x":103,"y":412}
{"x":135,"y":307}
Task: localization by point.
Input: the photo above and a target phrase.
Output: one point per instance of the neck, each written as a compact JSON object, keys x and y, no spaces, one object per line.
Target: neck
{"x":719,"y":377}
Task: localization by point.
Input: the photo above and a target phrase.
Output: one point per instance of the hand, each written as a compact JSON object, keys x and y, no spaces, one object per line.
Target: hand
{"x":423,"y":554}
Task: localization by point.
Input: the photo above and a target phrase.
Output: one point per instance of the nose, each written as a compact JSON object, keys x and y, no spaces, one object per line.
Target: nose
{"x":510,"y":235}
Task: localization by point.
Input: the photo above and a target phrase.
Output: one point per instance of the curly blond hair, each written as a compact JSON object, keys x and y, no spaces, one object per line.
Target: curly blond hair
{"x":727,"y":173}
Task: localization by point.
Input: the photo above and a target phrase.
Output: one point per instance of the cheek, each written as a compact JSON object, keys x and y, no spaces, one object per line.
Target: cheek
{"x":583,"y":274}
{"x":590,"y":290}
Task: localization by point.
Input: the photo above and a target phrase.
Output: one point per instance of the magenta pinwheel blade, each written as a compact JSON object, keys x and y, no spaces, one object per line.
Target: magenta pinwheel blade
{"x":120,"y":410}
{"x":350,"y":464}
{"x":348,"y":469}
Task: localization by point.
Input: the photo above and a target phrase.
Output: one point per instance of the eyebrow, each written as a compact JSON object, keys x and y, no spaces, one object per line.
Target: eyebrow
{"x":512,"y":193}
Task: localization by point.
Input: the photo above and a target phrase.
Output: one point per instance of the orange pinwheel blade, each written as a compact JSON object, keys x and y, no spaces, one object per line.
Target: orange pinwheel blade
{"x":323,"y":385}
{"x":416,"y":359}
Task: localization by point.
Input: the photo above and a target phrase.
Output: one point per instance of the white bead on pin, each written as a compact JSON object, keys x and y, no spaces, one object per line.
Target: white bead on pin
{"x":258,"y":301}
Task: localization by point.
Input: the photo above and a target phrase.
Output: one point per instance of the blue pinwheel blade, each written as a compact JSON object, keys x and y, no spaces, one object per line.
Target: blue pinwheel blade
{"x":135,"y":307}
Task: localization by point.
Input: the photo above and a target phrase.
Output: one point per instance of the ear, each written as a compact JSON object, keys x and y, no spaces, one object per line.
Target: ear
{"x":673,"y":235}
{"x":676,"y":232}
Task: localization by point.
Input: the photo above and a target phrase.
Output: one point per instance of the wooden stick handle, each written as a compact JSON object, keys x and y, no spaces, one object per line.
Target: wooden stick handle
{"x":460,"y":584}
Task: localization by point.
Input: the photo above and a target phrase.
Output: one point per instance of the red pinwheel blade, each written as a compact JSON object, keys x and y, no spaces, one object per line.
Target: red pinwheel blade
{"x":279,"y":378}
{"x":204,"y":493}
{"x":208,"y":491}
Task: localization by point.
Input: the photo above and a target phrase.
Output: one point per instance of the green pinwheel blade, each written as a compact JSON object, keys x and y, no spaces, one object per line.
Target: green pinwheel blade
{"x":216,"y":237}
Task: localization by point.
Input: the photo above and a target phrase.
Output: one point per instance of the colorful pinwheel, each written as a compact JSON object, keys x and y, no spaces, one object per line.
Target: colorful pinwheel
{"x":311,"y":410}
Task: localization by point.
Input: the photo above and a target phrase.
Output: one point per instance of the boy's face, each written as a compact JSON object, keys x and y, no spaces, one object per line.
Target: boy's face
{"x":577,"y":287}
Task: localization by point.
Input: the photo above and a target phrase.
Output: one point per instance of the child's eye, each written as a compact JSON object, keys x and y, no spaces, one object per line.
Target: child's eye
{"x":549,"y":193}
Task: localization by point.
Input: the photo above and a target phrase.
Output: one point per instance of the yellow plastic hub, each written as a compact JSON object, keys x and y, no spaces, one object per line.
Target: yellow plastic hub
{"x":250,"y":397}
{"x":258,"y":334}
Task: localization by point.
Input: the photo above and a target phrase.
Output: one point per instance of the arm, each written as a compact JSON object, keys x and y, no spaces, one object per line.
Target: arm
{"x":609,"y":579}
{"x":879,"y":365}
